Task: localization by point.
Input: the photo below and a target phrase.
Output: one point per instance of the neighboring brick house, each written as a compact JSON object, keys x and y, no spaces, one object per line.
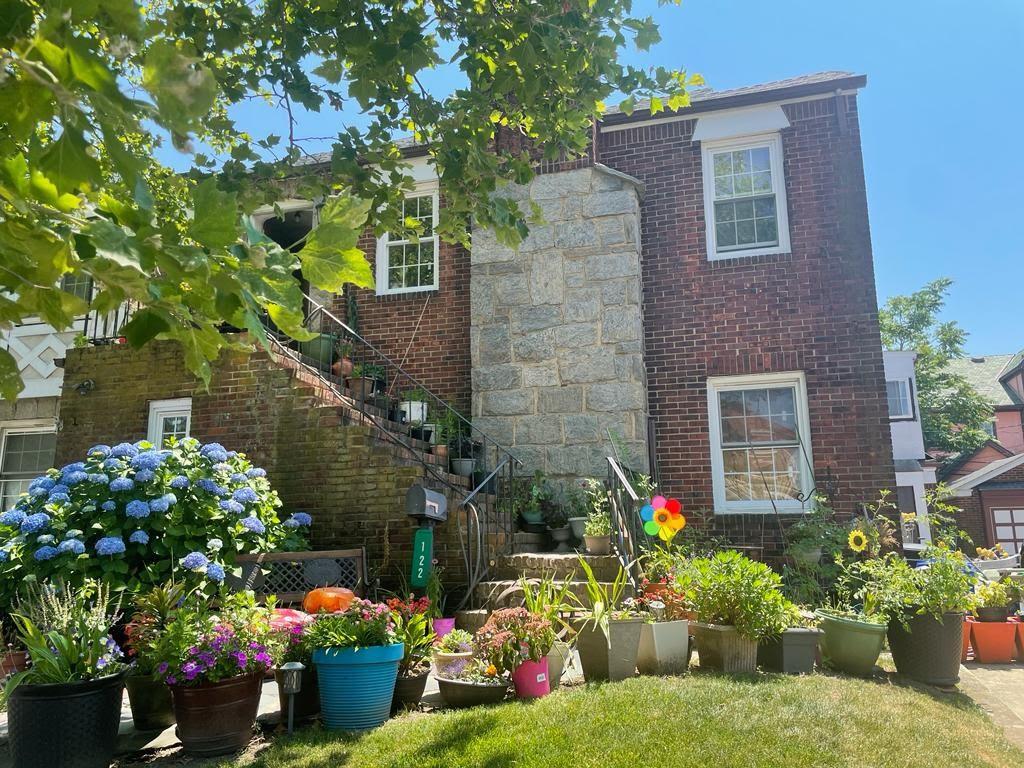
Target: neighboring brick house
{"x":988,"y":482}
{"x":700,"y":297}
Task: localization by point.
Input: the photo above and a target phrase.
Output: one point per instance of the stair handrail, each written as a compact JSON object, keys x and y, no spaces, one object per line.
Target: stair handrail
{"x":623,"y":512}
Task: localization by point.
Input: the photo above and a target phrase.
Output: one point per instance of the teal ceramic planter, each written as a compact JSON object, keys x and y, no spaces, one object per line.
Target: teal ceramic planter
{"x":357,"y":685}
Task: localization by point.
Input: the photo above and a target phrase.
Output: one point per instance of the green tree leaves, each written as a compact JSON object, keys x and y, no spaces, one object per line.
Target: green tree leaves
{"x":330,"y":258}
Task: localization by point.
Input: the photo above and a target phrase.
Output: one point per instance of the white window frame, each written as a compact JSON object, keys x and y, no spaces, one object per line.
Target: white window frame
{"x":424,"y":189}
{"x":266,"y":212}
{"x":20,"y":427}
{"x":162,"y":409}
{"x":908,"y":390}
{"x":718,"y":384}
{"x":773,"y":141}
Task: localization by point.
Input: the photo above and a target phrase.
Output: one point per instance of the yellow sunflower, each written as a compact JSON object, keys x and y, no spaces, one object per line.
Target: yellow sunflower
{"x":857,"y":541}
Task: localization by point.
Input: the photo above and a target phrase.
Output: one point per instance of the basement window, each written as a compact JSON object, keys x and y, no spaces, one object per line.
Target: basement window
{"x":26,"y":451}
{"x":169,"y":418}
{"x":404,"y":266}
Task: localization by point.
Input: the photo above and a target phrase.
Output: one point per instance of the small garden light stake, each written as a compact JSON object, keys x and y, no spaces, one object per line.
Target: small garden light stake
{"x":291,"y":685}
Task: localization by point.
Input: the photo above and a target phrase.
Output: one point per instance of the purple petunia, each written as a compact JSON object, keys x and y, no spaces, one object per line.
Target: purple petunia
{"x":137,"y":509}
{"x":194,"y":561}
{"x":215,"y":572}
{"x":121,"y":484}
{"x":179,"y":483}
{"x":229,"y":505}
{"x":35,"y":523}
{"x":139,"y":537}
{"x":253,"y":524}
{"x":45,"y":553}
{"x":110,"y":545}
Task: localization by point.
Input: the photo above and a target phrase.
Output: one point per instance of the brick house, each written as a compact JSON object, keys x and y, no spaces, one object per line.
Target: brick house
{"x":699,"y":300}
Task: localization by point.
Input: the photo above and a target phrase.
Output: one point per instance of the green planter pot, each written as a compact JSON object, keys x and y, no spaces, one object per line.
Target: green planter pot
{"x":152,"y":708}
{"x":792,"y":653}
{"x":928,"y":650}
{"x":320,"y":350}
{"x":850,"y":645}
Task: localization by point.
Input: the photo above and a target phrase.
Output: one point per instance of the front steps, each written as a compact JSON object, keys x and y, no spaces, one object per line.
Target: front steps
{"x":502,"y":590}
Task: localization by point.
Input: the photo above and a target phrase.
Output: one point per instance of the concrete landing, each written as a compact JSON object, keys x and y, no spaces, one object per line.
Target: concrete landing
{"x":999,"y":690}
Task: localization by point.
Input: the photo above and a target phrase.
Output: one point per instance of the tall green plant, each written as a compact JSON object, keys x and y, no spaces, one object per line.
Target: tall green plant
{"x":548,"y":598}
{"x":603,"y":600}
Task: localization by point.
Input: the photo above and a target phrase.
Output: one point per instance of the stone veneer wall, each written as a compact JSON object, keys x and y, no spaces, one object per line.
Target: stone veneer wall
{"x":556,"y":327}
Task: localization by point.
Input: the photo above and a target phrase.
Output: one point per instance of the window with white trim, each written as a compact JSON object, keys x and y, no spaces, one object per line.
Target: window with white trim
{"x":900,"y":405}
{"x":27,"y":451}
{"x":404,"y":265}
{"x":760,"y":458}
{"x":169,"y":418}
{"x":79,"y":284}
{"x":745,"y":197}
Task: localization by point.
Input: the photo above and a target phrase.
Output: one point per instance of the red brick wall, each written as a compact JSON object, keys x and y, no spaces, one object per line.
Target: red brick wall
{"x":316,"y":457}
{"x":975,"y":516}
{"x":426,"y":333}
{"x":812,"y":310}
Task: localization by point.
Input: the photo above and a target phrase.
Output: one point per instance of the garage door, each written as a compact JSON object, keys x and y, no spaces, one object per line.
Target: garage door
{"x":1009,"y":529}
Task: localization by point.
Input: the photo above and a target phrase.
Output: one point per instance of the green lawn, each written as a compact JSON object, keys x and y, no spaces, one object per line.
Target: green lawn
{"x":698,"y":720}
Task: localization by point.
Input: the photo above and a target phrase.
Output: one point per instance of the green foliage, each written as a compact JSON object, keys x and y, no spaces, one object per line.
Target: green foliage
{"x":730,"y":589}
{"x":154,"y":611}
{"x":993,"y":594}
{"x":598,"y":524}
{"x":417,"y":638}
{"x":456,"y":641}
{"x":66,"y":632}
{"x":548,"y":598}
{"x":952,"y":412}
{"x":362,"y":625}
{"x":92,"y":90}
{"x":604,"y":601}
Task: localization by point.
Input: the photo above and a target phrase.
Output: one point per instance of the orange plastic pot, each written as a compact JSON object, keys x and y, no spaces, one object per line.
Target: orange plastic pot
{"x":993,"y":642}
{"x":327,"y":599}
{"x":968,"y":622}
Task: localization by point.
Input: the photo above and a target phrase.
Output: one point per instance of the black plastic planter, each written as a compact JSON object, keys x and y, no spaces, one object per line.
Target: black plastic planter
{"x":928,"y":650}
{"x":792,"y":653}
{"x":71,"y":725}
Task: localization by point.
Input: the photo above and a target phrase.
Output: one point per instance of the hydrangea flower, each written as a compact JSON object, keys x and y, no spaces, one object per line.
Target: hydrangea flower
{"x":179,"y":483}
{"x":148,"y":460}
{"x":12,"y":517}
{"x":291,"y":522}
{"x":160,"y":505}
{"x":139,"y":537}
{"x":58,"y":498}
{"x":245,"y":495}
{"x":239,"y":477}
{"x":73,"y":533}
{"x":215,"y":572}
{"x":4,"y":555}
{"x":60,"y":488}
{"x":144,"y":475}
{"x":121,"y":484}
{"x":44,"y":482}
{"x":75,"y":466}
{"x":35,"y":523}
{"x":38,"y":492}
{"x":46,"y":538}
{"x":137,"y":509}
{"x":45,"y":553}
{"x":99,"y":477}
{"x":253,"y":524}
{"x":256,"y":472}
{"x":194,"y":561}
{"x":109,"y":464}
{"x":302,"y":518}
{"x":76,"y":477}
{"x":110,"y":505}
{"x":215,"y":545}
{"x":214,"y":452}
{"x":124,"y":450}
{"x":110,"y":545}
{"x":211,"y":486}
{"x":74,"y":546}
{"x":229,"y":505}
{"x":99,"y":450}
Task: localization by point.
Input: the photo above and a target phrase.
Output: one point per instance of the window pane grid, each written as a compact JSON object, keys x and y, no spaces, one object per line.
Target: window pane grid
{"x":745,"y":211}
{"x":26,"y":456}
{"x":899,"y":398}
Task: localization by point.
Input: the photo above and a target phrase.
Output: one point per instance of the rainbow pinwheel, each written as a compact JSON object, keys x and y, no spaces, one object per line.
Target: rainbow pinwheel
{"x":663,"y":518}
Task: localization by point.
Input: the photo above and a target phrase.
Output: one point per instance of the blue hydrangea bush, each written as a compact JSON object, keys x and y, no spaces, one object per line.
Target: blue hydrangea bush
{"x":134,"y":516}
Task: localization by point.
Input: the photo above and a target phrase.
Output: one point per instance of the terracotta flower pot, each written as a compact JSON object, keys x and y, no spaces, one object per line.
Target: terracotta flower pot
{"x":13,"y":661}
{"x":993,"y":643}
{"x":217,"y":718}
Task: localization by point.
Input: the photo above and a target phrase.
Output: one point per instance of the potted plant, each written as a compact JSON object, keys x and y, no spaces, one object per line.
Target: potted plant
{"x":478,"y":683}
{"x":462,"y":449}
{"x":597,"y":533}
{"x":439,"y":623}
{"x":290,"y":644}
{"x":813,"y":533}
{"x":924,"y":607}
{"x":737,"y":602}
{"x":609,"y":637}
{"x":365,"y":380}
{"x":357,"y":658}
{"x":795,"y":650}
{"x":412,"y":630}
{"x":664,"y":641}
{"x":588,"y":495}
{"x":518,"y":642}
{"x":214,"y":659}
{"x":14,"y":659}
{"x":452,"y":652}
{"x":150,"y":698}
{"x":320,"y":349}
{"x":65,"y":708}
{"x":549,"y":599}
{"x":539,"y":500}
{"x":414,"y":406}
{"x":557,"y":522}
{"x":342,"y":366}
{"x":851,"y":640}
{"x":993,"y":637}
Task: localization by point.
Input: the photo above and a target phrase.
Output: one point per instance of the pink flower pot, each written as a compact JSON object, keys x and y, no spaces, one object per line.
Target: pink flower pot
{"x":443,"y":626}
{"x":531,"y":679}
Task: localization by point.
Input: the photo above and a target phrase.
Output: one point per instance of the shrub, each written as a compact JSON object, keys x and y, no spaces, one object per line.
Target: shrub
{"x":133,"y":516}
{"x":730,"y":589}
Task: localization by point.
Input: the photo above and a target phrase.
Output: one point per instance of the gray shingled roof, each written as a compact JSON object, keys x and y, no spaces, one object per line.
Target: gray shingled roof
{"x":983,"y":373}
{"x":710,"y":94}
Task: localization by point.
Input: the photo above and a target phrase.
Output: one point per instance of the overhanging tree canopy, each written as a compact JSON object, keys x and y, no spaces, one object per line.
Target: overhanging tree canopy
{"x":89,"y":88}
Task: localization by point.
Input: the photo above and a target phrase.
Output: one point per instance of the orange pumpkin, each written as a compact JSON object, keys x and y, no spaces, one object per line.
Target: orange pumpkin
{"x":327,"y":600}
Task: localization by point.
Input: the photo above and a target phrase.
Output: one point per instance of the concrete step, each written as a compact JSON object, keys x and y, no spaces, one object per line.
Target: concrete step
{"x":506,"y":593}
{"x":558,"y":565}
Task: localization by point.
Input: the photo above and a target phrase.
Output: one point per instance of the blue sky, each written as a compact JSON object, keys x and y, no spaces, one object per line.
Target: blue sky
{"x":941,"y":123}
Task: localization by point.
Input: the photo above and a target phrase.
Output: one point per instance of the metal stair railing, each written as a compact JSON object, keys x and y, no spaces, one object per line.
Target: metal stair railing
{"x":628,"y":537}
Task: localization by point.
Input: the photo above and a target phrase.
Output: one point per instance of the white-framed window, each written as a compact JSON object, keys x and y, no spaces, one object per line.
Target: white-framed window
{"x":760,"y":442}
{"x":900,"y":404}
{"x":26,"y":451}
{"x":79,"y":284}
{"x":745,"y":197}
{"x":404,"y":266}
{"x":169,"y":418}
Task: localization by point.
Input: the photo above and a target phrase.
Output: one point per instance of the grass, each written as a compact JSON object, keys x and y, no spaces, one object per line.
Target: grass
{"x":698,"y":720}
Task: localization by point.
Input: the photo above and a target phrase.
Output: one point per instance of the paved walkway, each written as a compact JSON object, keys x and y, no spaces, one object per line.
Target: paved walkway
{"x":999,"y":690}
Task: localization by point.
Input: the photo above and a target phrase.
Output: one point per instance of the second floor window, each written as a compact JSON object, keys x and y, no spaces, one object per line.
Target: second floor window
{"x":745,"y":200}
{"x":405,"y":266}
{"x":900,"y":406}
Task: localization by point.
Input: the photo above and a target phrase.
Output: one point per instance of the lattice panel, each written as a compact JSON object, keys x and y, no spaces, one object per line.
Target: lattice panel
{"x":290,"y":577}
